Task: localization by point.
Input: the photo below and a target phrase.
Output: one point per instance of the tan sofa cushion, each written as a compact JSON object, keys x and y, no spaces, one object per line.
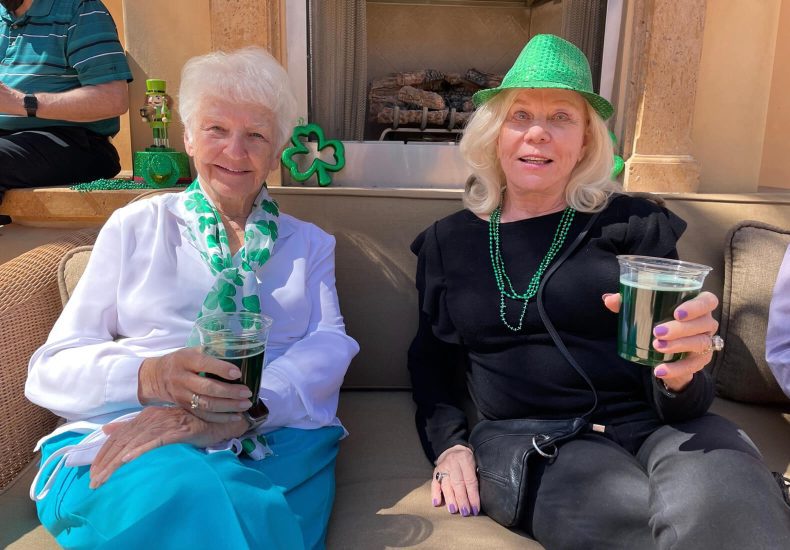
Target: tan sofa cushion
{"x":71,"y":267}
{"x":383,"y":485}
{"x":752,"y":256}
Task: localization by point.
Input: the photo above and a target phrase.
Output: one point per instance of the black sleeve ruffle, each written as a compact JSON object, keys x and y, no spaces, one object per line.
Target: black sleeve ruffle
{"x":431,"y":285}
{"x":645,"y":227}
{"x":435,"y":356}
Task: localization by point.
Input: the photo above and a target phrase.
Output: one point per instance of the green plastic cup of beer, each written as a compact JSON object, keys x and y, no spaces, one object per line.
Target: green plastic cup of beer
{"x":651,"y":288}
{"x":239,"y":338}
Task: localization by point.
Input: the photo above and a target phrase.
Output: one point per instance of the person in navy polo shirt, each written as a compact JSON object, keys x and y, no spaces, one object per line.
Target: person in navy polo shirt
{"x":63,"y":85}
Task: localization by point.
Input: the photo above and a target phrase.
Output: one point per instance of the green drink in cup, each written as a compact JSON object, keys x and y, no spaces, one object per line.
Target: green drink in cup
{"x":239,"y":338}
{"x":651,"y":288}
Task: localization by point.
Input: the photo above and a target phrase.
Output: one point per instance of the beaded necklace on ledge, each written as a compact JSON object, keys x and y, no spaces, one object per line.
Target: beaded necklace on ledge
{"x":503,"y":281}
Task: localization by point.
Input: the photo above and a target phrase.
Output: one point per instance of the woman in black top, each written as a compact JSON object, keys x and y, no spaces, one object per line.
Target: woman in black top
{"x":657,"y":470}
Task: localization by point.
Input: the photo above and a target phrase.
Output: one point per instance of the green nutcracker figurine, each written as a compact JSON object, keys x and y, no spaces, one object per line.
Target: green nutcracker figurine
{"x":156,"y":111}
{"x":159,"y":165}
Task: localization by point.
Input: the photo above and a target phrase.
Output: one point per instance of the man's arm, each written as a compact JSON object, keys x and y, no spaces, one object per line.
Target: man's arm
{"x":84,"y":104}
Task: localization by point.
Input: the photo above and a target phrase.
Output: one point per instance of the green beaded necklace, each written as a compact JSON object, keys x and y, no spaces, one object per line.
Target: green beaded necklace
{"x":499,"y":264}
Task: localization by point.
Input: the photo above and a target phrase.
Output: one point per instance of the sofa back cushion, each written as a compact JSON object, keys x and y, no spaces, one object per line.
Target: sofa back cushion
{"x":752,"y":256}
{"x":71,"y":267}
{"x":375,"y":269}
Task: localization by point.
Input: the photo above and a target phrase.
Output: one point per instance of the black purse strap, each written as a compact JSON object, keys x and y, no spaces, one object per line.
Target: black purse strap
{"x":547,"y":322}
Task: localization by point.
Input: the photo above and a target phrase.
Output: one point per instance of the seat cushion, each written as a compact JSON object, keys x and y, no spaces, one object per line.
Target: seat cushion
{"x":383,"y":485}
{"x":19,"y":525}
{"x":768,"y":427}
{"x":752,"y":256}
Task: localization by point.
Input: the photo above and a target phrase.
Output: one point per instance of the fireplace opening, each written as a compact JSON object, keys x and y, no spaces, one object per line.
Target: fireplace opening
{"x":402,"y":73}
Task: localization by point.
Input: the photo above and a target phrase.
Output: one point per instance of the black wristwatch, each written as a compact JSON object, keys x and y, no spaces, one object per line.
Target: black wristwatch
{"x":31,"y":105}
{"x":256,"y":415}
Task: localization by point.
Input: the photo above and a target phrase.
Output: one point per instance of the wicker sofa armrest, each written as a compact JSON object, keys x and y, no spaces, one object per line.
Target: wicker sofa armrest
{"x":29,"y":305}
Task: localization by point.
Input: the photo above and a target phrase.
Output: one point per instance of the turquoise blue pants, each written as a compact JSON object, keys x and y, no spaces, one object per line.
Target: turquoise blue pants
{"x":178,"y":496}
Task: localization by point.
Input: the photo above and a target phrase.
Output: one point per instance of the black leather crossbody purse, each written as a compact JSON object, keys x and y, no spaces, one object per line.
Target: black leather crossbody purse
{"x":503,"y":449}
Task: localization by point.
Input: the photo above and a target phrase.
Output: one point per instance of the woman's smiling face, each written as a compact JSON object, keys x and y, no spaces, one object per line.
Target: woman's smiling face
{"x":542,"y":140}
{"x":232,"y":145}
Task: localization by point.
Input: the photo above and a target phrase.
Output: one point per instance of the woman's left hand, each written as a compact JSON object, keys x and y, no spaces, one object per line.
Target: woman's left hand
{"x":690,"y":332}
{"x":156,"y":427}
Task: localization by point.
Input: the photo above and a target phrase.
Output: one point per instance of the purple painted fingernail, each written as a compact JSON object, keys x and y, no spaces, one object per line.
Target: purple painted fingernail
{"x":452,"y":508}
{"x":682,"y":314}
{"x":661,"y":371}
{"x":436,"y":502}
{"x":660,"y":331}
{"x":464,"y":511}
{"x":661,"y":343}
{"x":475,"y":510}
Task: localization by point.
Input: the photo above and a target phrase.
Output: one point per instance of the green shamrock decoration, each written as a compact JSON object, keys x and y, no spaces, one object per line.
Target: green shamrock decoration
{"x":217,"y":263}
{"x":252,"y":303}
{"x":271,"y":207}
{"x":259,"y":256}
{"x":318,"y":166}
{"x":222,"y":297}
{"x":204,"y":222}
{"x":234,"y":276}
{"x":267,"y":228}
{"x":199,"y":204}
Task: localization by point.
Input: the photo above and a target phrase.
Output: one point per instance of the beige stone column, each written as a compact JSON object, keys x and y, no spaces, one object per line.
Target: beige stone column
{"x":238,"y":23}
{"x":662,"y":73}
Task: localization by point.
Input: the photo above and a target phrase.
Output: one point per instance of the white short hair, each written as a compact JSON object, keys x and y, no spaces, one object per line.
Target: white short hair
{"x":248,"y":75}
{"x":590,"y":184}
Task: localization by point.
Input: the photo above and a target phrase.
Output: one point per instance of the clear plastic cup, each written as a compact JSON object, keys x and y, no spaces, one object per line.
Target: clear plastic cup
{"x":651,"y":288}
{"x":239,"y":338}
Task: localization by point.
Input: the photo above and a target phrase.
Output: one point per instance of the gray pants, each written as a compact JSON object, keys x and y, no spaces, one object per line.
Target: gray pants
{"x":695,"y":485}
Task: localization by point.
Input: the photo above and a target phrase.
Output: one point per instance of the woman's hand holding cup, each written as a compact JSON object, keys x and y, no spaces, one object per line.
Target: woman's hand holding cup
{"x":177,"y":378}
{"x":689,"y":333}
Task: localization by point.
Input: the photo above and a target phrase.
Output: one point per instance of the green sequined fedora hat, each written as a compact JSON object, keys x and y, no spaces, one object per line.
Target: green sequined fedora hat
{"x":548,"y":61}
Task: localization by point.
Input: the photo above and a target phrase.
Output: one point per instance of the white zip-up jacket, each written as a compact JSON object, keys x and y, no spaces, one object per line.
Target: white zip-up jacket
{"x":140,"y":295}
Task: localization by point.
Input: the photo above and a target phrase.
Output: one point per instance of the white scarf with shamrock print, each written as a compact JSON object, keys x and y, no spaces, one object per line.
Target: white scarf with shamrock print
{"x":236,"y":286}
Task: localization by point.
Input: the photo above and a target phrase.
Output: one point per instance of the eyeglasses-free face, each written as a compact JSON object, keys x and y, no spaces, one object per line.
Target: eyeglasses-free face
{"x":542,"y":140}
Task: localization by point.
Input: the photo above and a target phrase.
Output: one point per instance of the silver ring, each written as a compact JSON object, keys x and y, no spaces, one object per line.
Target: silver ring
{"x":440,"y":476}
{"x":716,"y":344}
{"x":195,"y":402}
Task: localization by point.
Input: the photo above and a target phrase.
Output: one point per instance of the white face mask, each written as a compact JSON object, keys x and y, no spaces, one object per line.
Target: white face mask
{"x":81,"y":454}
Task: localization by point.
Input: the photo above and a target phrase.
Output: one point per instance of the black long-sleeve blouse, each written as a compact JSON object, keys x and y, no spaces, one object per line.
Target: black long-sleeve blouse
{"x":522,"y":374}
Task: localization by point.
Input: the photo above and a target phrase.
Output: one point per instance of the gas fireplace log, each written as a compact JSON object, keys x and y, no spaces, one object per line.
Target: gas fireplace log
{"x":380,"y":98}
{"x":453,"y":79}
{"x":416,"y":78}
{"x":459,"y":99}
{"x":411,"y":117}
{"x":379,"y":105}
{"x":484,"y":80}
{"x":421,"y":98}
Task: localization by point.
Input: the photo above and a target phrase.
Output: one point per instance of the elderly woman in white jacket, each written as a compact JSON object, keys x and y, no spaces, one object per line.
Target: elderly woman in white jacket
{"x":163,"y":462}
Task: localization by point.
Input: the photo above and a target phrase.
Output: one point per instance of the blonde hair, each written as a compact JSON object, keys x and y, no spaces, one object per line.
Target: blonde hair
{"x":247,"y":75}
{"x":590,"y":184}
